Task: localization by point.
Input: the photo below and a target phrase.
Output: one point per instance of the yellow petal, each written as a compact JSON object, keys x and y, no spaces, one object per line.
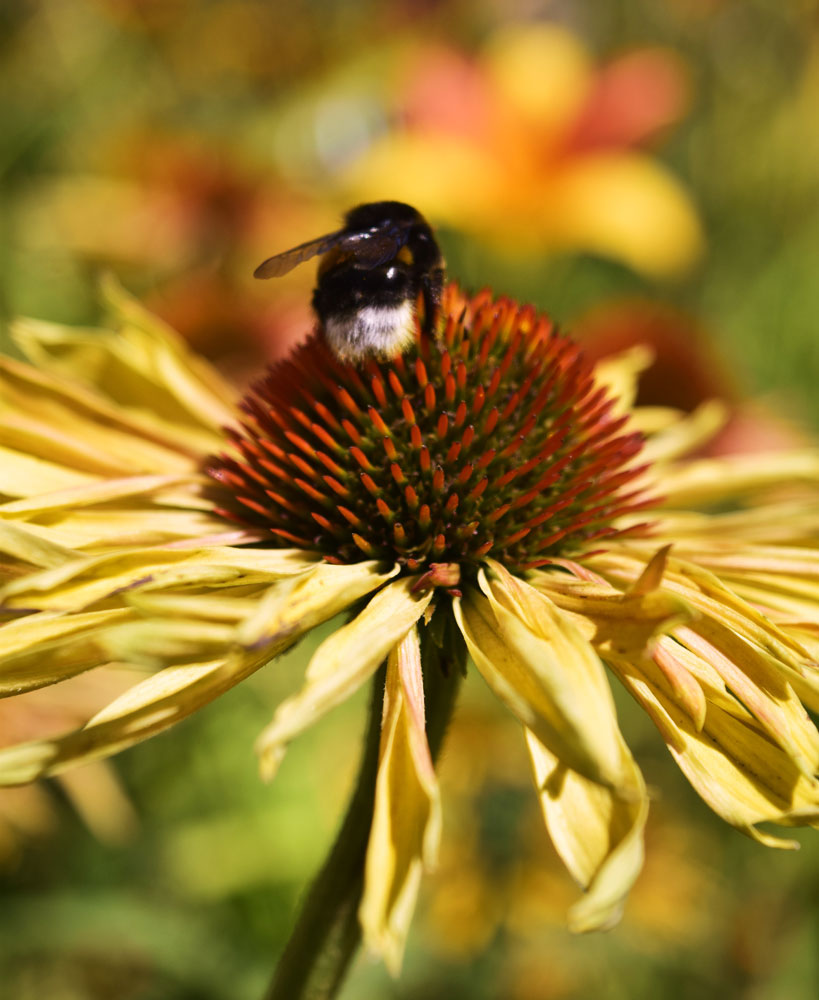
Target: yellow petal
{"x":98,"y":491}
{"x":629,"y":624}
{"x":315,"y":597}
{"x":758,"y":682}
{"x":728,"y":557}
{"x":59,"y":420}
{"x":149,"y":364}
{"x":708,"y":595}
{"x":228,"y":604}
{"x":598,"y":835}
{"x":85,"y":528}
{"x":687,"y":433}
{"x":683,"y":683}
{"x":42,"y":649}
{"x":719,"y":479}
{"x":24,"y":476}
{"x":806,"y":682}
{"x":752,"y":655}
{"x":781,"y":522}
{"x":79,"y":584}
{"x":738,"y":771}
{"x":545,"y":672}
{"x":146,"y":709}
{"x":612,"y":620}
{"x":158,"y":642}
{"x":75,"y":391}
{"x":31,"y":547}
{"x":669,"y":656}
{"x":341,"y":664}
{"x":780,"y":581}
{"x":621,"y":373}
{"x":191,"y":379}
{"x":407,"y":816}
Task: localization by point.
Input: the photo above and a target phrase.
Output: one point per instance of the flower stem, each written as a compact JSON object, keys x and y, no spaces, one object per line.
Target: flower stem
{"x":327,"y":933}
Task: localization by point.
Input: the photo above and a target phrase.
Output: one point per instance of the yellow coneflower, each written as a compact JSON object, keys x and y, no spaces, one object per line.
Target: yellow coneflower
{"x":485,"y":493}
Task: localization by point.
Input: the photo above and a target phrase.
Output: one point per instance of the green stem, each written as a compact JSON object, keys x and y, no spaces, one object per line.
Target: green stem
{"x":327,"y":933}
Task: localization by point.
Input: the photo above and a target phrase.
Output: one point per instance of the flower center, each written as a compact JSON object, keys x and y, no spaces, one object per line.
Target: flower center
{"x":492,"y":437}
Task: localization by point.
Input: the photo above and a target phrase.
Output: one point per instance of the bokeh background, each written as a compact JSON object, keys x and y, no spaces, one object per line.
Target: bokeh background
{"x":642,"y":171}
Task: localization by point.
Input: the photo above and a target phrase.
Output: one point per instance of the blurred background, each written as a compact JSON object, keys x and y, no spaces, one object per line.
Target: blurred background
{"x":642,"y":171}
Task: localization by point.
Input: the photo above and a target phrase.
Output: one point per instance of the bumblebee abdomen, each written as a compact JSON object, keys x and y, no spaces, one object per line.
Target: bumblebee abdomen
{"x":379,"y":331}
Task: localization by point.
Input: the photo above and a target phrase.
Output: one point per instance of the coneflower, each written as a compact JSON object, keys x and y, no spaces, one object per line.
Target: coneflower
{"x":482,"y":494}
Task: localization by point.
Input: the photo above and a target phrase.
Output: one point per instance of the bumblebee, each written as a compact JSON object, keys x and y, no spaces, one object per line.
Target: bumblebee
{"x":370,"y":275}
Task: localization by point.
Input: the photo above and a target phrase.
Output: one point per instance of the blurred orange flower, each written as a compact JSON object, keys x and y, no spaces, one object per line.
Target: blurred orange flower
{"x":531,"y":146}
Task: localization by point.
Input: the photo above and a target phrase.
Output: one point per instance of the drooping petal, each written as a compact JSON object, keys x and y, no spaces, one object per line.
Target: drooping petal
{"x":780,"y":522}
{"x":81,"y":402}
{"x":628,"y":623}
{"x":709,"y":596}
{"x":782,"y":581}
{"x":153,"y":643}
{"x":806,"y":683}
{"x":598,"y":834}
{"x":341,"y":664}
{"x":543,"y":670}
{"x":728,"y":559}
{"x":743,"y":776}
{"x":406,"y":823}
{"x":684,"y":683}
{"x":760,"y":684}
{"x":754,"y":657}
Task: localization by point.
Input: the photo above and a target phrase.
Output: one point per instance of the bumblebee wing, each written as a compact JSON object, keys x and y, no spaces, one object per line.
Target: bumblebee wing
{"x":372,"y":248}
{"x":281,"y":263}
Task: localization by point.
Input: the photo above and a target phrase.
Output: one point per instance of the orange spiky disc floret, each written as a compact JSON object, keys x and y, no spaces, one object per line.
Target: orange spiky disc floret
{"x":490,"y":438}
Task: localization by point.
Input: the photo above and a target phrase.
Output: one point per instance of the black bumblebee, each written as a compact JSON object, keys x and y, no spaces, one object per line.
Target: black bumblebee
{"x":369,"y":278}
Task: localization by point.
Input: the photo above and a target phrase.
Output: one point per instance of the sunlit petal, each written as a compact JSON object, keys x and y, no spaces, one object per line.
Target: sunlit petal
{"x":546,"y":673}
{"x":341,"y":664}
{"x":406,"y":824}
{"x":597,"y":833}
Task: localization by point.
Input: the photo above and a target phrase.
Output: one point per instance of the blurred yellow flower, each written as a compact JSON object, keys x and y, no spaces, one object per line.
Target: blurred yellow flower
{"x":532,"y":147}
{"x":481,"y":493}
